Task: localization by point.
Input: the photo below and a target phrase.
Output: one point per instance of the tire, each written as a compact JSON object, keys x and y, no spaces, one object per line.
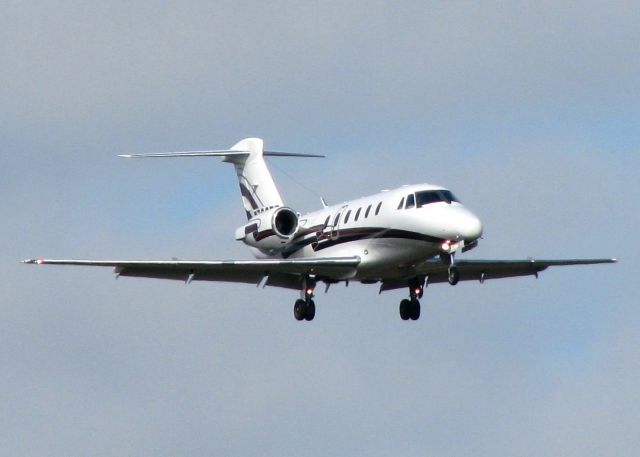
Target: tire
{"x":299,"y":309}
{"x":454,"y":276}
{"x":415,"y":309}
{"x":310,"y":311}
{"x":405,"y":309}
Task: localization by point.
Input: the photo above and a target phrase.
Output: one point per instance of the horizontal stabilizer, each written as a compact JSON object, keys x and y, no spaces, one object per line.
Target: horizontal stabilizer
{"x":217,"y":153}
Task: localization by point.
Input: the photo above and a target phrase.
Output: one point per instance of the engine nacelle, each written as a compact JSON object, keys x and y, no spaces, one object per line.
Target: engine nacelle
{"x":270,"y":231}
{"x":284,"y":222}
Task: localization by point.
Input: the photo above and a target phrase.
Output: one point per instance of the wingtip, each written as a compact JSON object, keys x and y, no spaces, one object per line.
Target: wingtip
{"x":33,"y":261}
{"x":125,"y":156}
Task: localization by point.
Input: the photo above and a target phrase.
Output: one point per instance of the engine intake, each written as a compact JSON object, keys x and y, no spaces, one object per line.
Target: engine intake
{"x":285,"y":222}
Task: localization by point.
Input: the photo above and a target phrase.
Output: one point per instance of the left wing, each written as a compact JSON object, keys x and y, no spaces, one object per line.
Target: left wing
{"x":481,"y":270}
{"x":275,"y":272}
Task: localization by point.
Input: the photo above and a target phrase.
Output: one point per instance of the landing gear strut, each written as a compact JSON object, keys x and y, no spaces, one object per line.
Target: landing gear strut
{"x":305,"y":307}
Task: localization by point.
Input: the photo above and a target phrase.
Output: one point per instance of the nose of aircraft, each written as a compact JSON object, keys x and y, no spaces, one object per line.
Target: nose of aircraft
{"x":464,"y":224}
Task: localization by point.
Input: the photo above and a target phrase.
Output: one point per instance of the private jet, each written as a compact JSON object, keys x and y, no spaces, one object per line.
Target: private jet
{"x":405,"y":238}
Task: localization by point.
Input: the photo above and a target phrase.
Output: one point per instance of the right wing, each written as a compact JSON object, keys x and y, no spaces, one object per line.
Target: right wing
{"x":274,"y":272}
{"x":480,"y":270}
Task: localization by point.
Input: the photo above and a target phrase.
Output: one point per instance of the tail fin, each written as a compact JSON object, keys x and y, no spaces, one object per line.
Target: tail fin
{"x":247,"y":156}
{"x":256,"y":184}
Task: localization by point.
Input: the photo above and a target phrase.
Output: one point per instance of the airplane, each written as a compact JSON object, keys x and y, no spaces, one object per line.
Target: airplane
{"x":405,"y":238}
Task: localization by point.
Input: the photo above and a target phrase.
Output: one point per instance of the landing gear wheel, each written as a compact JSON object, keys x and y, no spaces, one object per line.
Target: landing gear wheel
{"x":415,"y":309}
{"x":310,"y":311}
{"x":405,"y":309}
{"x":300,"y":310}
{"x":454,"y":275}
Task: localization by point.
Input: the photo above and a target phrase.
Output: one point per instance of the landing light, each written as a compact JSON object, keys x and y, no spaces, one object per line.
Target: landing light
{"x":449,"y":247}
{"x":309,"y":291}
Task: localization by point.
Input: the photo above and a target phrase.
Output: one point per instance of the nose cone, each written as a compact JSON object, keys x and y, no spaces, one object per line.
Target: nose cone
{"x":470,"y":227}
{"x":463,"y":225}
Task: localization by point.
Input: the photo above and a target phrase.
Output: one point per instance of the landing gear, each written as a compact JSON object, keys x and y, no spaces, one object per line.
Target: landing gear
{"x":410,"y":309}
{"x":453,"y":275}
{"x":299,"y":310}
{"x":304,"y":310}
{"x":405,"y":309}
{"x":311,"y":311}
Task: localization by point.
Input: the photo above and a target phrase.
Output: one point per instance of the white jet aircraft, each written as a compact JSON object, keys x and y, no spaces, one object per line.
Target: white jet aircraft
{"x":408,"y":237}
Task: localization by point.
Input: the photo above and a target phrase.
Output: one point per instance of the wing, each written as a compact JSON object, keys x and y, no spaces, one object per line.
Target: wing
{"x":274,"y":272}
{"x":481,"y":270}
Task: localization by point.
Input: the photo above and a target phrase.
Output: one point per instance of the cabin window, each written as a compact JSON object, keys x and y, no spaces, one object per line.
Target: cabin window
{"x":326,"y":222}
{"x":411,"y":201}
{"x":366,"y":213}
{"x":358,"y":214}
{"x":346,"y":218}
{"x":401,"y":203}
{"x":336,"y":220}
{"x":378,"y":208}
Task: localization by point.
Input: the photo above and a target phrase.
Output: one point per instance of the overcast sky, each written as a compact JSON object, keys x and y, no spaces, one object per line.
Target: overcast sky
{"x":529,"y":112}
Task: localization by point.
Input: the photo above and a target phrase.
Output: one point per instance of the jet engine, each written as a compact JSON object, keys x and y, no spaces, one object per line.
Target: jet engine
{"x":271,"y":230}
{"x":284,"y":222}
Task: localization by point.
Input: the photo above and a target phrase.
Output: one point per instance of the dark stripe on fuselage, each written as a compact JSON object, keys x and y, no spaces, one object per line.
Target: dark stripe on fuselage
{"x":264,"y":234}
{"x":324,"y":240}
{"x":250,"y":228}
{"x":356,"y":234}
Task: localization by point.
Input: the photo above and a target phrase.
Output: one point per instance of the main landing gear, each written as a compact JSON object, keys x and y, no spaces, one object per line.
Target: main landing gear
{"x":304,"y":310}
{"x":410,"y":308}
{"x":305,"y":307}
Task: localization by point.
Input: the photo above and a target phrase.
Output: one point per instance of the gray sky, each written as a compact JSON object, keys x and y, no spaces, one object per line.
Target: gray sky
{"x":529,"y":112}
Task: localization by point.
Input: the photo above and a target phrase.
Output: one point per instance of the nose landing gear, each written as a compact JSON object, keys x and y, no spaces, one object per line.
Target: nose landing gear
{"x":453,"y":274}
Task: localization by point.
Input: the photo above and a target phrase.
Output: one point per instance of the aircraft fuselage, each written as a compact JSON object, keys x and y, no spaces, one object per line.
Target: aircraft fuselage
{"x":395,"y":228}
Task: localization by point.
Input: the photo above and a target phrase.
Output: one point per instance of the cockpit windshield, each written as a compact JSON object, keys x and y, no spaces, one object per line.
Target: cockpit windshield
{"x":433,"y":196}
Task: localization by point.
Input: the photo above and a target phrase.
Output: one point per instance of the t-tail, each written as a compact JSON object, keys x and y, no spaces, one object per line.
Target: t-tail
{"x":258,"y":190}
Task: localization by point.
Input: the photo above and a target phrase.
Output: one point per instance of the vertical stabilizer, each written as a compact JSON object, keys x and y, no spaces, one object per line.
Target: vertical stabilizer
{"x":256,"y":184}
